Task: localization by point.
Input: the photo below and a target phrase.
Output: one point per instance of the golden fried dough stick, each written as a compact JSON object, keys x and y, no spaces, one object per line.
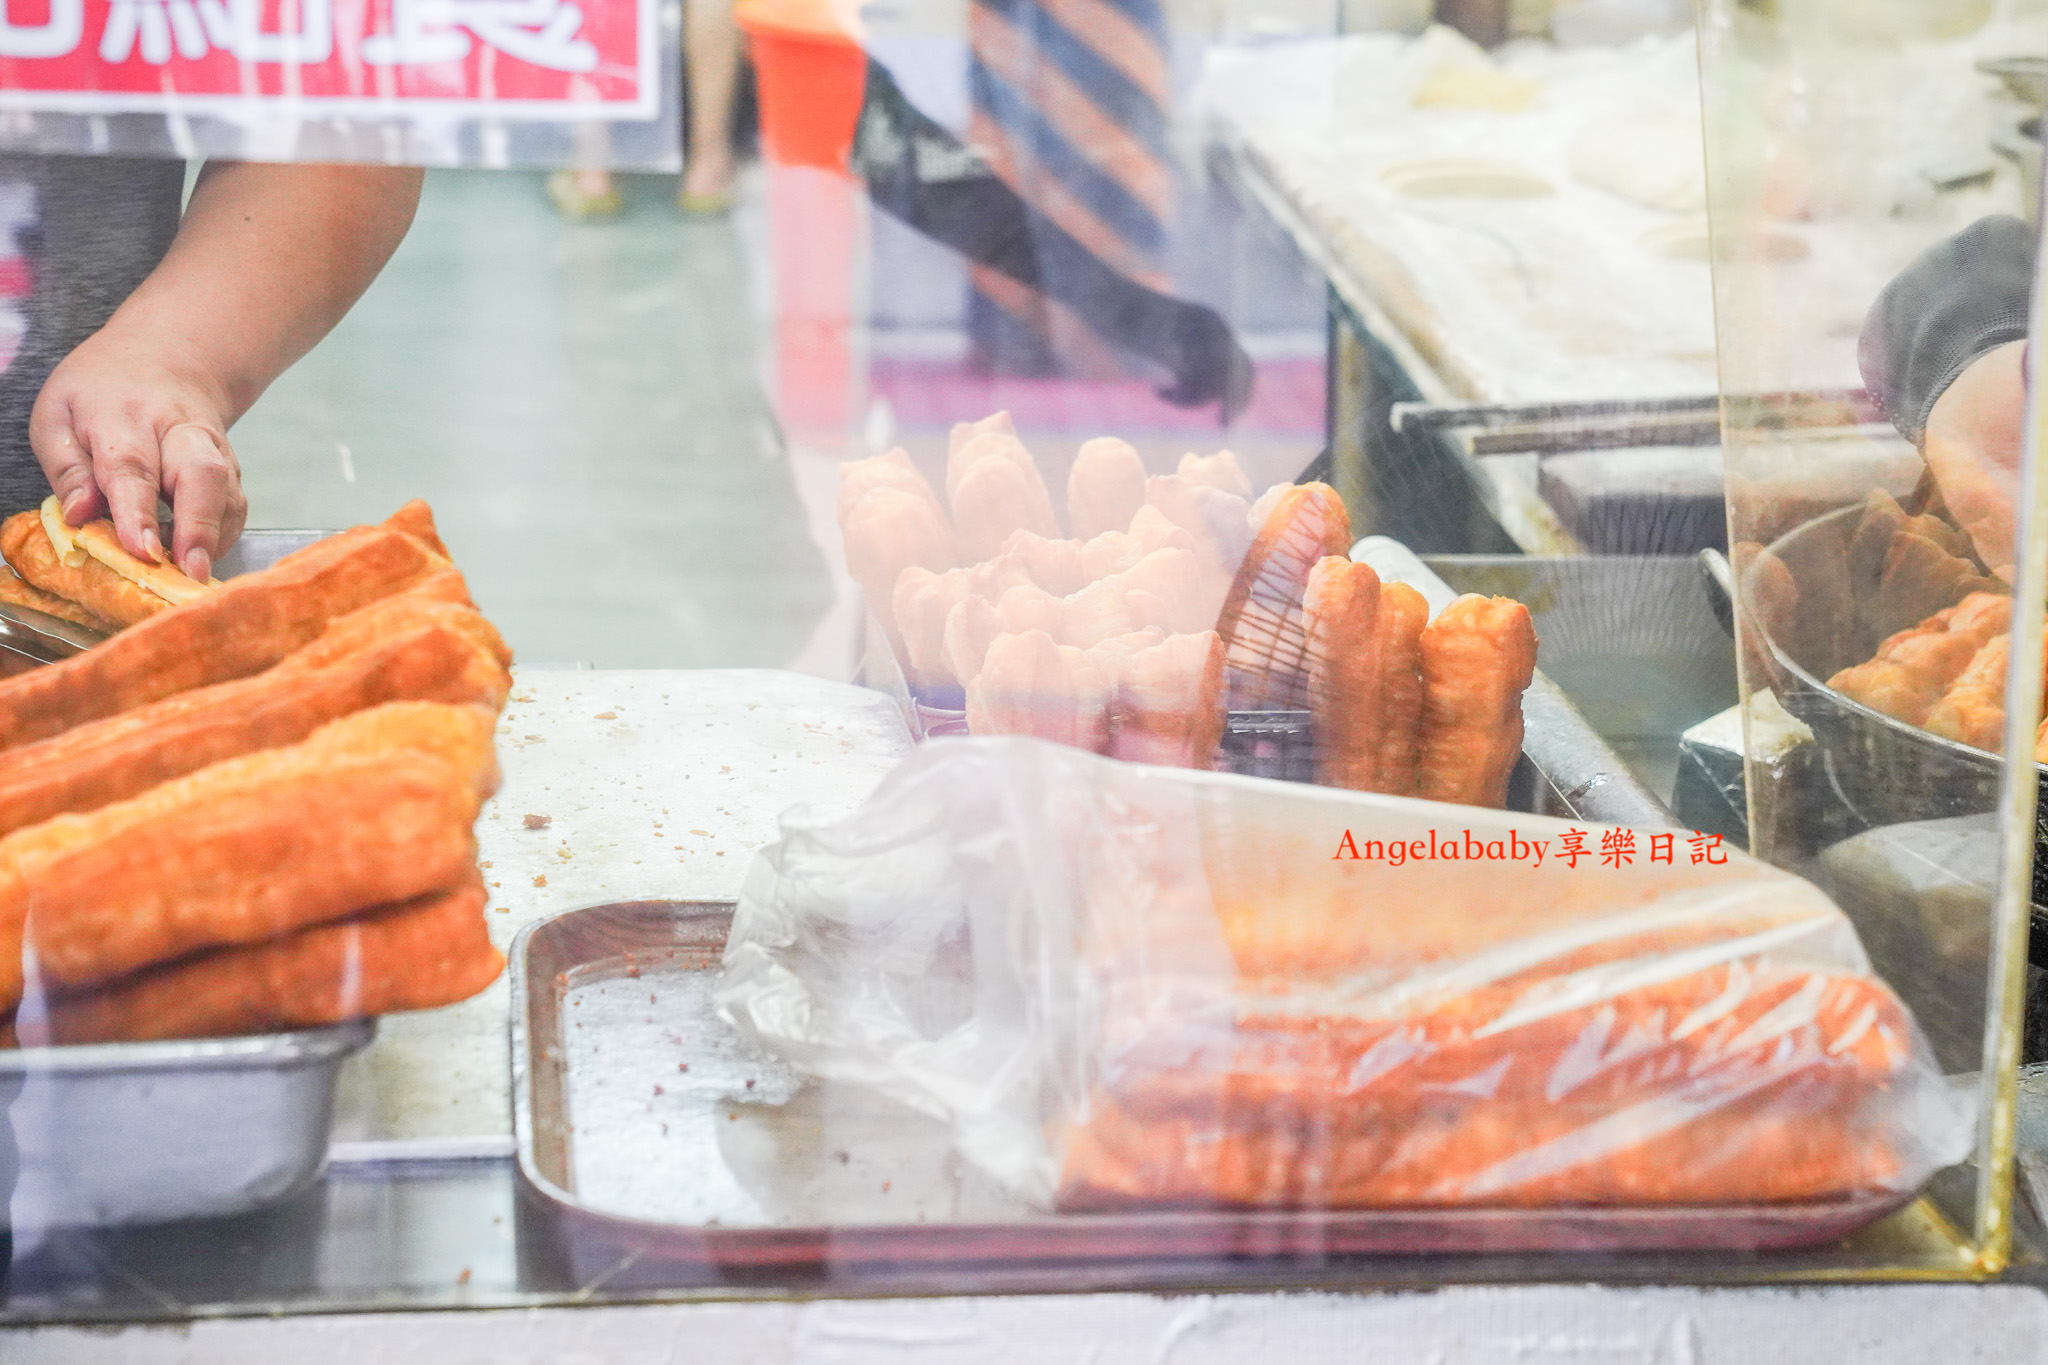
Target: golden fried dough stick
{"x":1890,"y":687}
{"x":122,"y":756}
{"x":372,"y":808}
{"x":1266,"y":643}
{"x":251,"y":623}
{"x":416,"y":519}
{"x":1340,"y":612}
{"x":1478,"y":657}
{"x":1880,"y":523}
{"x":1973,"y":711}
{"x":1392,"y":1133}
{"x":1919,"y":579}
{"x":394,"y":616}
{"x":1403,"y":614}
{"x":92,"y":585}
{"x":429,"y":951}
{"x":15,"y":592}
{"x":1915,"y":667}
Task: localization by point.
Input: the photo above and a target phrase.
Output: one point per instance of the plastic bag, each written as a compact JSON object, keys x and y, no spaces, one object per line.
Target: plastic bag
{"x":1128,"y":985}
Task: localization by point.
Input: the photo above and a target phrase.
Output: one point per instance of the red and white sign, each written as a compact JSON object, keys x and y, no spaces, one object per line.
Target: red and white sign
{"x":512,"y":59}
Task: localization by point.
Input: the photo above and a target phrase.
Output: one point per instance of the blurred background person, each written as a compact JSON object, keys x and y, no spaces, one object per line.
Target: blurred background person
{"x":712,"y":53}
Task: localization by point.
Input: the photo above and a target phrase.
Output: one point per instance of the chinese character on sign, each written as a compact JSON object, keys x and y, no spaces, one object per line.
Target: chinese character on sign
{"x":198,"y":28}
{"x":541,"y":32}
{"x":1661,"y":846}
{"x":1618,"y":846}
{"x":1706,"y":848}
{"x":53,"y":38}
{"x":1573,"y":848}
{"x":530,"y":61}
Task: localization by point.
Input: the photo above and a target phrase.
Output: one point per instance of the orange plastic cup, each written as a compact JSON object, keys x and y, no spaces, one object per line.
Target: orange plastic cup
{"x":811,"y":76}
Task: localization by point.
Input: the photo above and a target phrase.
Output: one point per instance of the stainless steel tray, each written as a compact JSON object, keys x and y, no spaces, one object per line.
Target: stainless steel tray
{"x":656,"y":1148}
{"x":125,"y":1133}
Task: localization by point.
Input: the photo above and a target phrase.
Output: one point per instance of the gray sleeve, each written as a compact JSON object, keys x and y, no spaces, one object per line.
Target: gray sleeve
{"x":1961,"y":298}
{"x":105,"y":223}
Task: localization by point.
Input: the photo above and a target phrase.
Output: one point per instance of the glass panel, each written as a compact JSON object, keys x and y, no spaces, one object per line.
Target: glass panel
{"x":1114,"y":686}
{"x":1872,"y":274}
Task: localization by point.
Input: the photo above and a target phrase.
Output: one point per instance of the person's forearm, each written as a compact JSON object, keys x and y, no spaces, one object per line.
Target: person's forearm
{"x":267,"y":260}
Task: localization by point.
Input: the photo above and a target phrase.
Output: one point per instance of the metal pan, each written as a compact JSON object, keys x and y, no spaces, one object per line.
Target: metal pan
{"x":125,"y":1133}
{"x":658,"y":1148}
{"x":1880,"y":770}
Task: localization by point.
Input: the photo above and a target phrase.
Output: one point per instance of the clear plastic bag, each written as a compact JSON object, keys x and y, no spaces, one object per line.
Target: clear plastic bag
{"x":1126,"y":985}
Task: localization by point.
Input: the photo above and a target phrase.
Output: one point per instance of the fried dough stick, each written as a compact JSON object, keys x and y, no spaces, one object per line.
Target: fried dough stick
{"x":1973,"y":710}
{"x":244,"y":628}
{"x":17,"y":591}
{"x":1261,"y":623}
{"x":122,"y":756}
{"x":1402,"y":615}
{"x":433,"y":950}
{"x":1913,"y":668}
{"x":1478,"y":657}
{"x":416,"y":608}
{"x":416,"y":519}
{"x":1770,"y":1101}
{"x":92,"y":585}
{"x":1340,"y":608}
{"x":373,"y":808}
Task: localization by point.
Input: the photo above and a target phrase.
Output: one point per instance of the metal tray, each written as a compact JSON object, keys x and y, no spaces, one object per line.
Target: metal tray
{"x":658,"y":1148}
{"x":123,"y":1133}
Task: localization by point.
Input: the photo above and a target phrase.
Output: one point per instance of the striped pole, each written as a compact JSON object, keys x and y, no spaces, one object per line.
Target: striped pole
{"x":1070,"y":101}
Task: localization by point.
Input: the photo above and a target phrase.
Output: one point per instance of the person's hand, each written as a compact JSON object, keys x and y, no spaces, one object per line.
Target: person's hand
{"x":119,"y":423}
{"x":1975,"y":435}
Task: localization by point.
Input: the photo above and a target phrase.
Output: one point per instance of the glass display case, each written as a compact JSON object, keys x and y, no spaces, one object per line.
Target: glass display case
{"x":1188,"y":647}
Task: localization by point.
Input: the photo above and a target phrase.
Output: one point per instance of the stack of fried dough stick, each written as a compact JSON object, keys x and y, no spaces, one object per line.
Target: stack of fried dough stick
{"x":1400,"y":703}
{"x":253,"y":809}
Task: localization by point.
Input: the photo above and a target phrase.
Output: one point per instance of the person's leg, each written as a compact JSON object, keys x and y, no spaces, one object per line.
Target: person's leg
{"x":711,"y":47}
{"x":587,"y":191}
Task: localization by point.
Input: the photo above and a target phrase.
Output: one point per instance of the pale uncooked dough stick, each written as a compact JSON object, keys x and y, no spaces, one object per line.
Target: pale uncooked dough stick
{"x":1105,"y":488}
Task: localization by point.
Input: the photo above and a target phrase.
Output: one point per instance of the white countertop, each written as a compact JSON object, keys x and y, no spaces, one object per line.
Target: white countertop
{"x":644,"y":785}
{"x":1563,"y":296}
